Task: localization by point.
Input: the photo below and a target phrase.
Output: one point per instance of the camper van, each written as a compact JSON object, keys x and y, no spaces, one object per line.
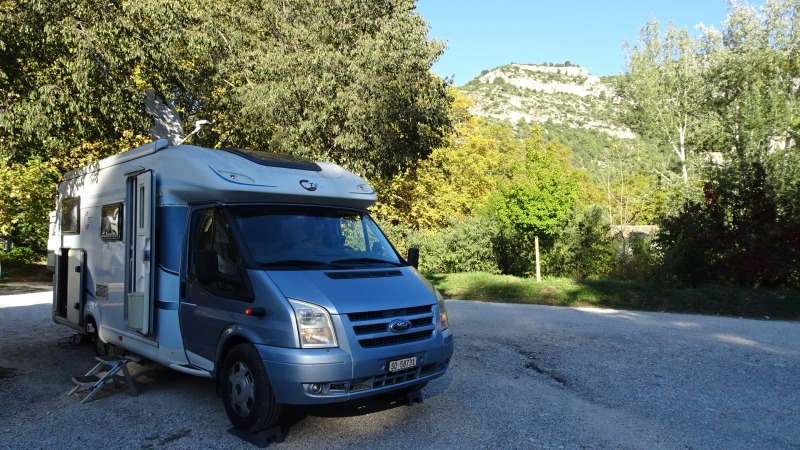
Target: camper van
{"x":261,"y":271}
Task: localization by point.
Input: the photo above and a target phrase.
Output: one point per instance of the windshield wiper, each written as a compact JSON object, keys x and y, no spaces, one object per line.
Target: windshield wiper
{"x":366,"y":261}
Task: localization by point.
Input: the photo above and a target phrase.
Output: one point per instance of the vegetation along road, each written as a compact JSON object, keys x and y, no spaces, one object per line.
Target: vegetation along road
{"x":523,"y":376}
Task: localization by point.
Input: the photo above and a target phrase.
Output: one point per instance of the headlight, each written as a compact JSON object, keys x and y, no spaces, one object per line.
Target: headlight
{"x":314,"y":325}
{"x":443,"y":323}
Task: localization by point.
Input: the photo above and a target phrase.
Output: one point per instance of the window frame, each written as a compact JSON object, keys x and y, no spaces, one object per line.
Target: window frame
{"x":70,"y":216}
{"x":120,"y":222}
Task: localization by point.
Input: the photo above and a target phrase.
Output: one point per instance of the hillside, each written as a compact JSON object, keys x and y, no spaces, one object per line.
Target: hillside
{"x":574,"y":107}
{"x":567,"y":95}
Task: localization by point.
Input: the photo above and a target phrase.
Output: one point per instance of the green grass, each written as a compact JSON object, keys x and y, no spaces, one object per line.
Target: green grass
{"x":634,"y":295}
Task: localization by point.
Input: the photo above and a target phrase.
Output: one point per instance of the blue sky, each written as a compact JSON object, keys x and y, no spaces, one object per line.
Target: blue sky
{"x":484,"y":34}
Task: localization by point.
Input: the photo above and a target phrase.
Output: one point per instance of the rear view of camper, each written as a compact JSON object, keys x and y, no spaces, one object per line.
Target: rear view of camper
{"x":261,"y":271}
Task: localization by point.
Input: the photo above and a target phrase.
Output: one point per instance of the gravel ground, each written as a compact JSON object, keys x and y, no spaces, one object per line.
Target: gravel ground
{"x":522,"y":377}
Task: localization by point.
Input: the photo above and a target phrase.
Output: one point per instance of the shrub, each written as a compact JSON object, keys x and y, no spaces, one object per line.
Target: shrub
{"x":583,"y":248}
{"x":464,"y":246}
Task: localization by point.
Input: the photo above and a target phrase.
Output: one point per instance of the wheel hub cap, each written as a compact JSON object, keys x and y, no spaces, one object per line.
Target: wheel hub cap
{"x":241,"y":389}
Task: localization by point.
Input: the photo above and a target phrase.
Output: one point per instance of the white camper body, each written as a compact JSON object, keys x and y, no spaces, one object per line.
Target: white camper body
{"x":128,"y":245}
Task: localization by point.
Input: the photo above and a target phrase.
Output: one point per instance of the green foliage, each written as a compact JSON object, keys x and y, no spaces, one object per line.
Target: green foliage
{"x":583,"y":248}
{"x":540,"y":192}
{"x":742,"y":233}
{"x":456,"y":181}
{"x":664,"y":89}
{"x":636,"y":259}
{"x":19,"y":257}
{"x":27,"y":199}
{"x":466,"y":245}
{"x":343,"y":80}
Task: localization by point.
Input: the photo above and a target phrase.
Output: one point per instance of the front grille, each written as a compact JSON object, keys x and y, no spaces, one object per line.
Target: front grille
{"x":391,"y":378}
{"x":389,"y":313}
{"x":372,"y":328}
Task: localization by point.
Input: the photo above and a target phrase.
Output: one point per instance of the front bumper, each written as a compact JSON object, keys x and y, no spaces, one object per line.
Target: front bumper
{"x":317,"y":376}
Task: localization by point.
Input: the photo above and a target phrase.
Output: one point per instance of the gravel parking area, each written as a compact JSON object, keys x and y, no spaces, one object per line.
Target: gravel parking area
{"x":522,"y":377}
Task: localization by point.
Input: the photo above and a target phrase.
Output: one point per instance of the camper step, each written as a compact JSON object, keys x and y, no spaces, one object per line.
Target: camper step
{"x":110,"y":364}
{"x":86,"y":381}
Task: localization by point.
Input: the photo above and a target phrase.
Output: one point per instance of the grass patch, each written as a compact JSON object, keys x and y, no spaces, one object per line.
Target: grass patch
{"x":634,"y":295}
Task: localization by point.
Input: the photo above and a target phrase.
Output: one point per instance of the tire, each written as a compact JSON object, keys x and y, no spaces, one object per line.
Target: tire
{"x":246,"y":391}
{"x":100,"y":347}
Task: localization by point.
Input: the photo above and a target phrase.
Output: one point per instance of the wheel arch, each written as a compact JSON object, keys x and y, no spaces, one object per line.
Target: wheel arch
{"x":226,"y":345}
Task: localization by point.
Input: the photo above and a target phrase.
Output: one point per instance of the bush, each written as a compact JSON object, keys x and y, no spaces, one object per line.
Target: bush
{"x":638,"y":261}
{"x":583,"y":249}
{"x":743,"y":232}
{"x":464,"y":246}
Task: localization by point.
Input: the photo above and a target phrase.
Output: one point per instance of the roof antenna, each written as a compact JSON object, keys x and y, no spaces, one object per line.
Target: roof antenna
{"x":198,"y":125}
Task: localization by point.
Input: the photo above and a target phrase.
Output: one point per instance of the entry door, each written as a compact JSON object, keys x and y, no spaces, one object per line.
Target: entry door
{"x":139,"y":300}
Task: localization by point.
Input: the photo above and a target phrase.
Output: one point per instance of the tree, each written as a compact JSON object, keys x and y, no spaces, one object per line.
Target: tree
{"x":343,"y":80}
{"x":664,"y":88}
{"x":754,"y":65}
{"x":340,"y":80}
{"x":454,"y":182}
{"x":533,"y":201}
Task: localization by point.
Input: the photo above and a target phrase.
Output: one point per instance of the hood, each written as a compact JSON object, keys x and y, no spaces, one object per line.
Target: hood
{"x":349,"y":291}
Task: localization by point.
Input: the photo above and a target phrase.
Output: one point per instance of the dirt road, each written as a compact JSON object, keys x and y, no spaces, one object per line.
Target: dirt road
{"x":522,"y":377}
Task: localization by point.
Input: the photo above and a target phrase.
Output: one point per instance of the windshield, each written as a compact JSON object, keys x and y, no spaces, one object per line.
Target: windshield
{"x":302,"y":237}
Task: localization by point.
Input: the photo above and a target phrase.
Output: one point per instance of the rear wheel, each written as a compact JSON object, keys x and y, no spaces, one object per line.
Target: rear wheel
{"x":247,"y":393}
{"x":100,"y":347}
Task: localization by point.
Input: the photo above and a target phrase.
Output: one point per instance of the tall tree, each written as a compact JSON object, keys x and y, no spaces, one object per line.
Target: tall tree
{"x":341,"y":80}
{"x":663,"y":86}
{"x":754,"y":65}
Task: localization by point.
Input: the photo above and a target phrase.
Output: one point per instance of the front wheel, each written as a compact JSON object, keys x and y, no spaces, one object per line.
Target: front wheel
{"x":247,"y":394}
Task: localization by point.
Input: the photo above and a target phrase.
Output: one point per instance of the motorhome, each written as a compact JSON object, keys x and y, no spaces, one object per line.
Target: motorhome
{"x":264,"y":272}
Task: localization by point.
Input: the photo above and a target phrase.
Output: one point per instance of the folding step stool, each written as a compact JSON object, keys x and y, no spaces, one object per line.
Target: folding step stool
{"x":111,"y":364}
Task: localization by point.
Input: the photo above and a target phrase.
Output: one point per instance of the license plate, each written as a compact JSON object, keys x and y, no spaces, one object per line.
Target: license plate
{"x":402,"y":364}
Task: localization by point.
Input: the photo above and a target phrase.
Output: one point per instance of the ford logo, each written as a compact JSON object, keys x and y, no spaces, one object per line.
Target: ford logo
{"x":399,"y":326}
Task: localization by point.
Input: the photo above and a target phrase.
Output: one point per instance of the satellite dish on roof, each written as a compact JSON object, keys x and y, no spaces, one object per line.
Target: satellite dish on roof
{"x":168,"y":123}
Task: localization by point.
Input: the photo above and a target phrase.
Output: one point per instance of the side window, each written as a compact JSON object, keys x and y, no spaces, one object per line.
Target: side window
{"x":210,"y":231}
{"x":111,"y":222}
{"x":213,"y":234}
{"x":70,"y":215}
{"x":376,"y":245}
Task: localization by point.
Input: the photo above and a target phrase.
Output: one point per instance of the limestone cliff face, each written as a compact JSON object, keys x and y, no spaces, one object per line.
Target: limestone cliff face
{"x":567,"y":95}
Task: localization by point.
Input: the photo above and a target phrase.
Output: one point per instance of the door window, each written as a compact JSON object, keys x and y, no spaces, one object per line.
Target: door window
{"x":212,"y":232}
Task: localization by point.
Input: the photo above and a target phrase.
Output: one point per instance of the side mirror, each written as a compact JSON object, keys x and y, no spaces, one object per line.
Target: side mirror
{"x":413,"y":257}
{"x":207,"y":269}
